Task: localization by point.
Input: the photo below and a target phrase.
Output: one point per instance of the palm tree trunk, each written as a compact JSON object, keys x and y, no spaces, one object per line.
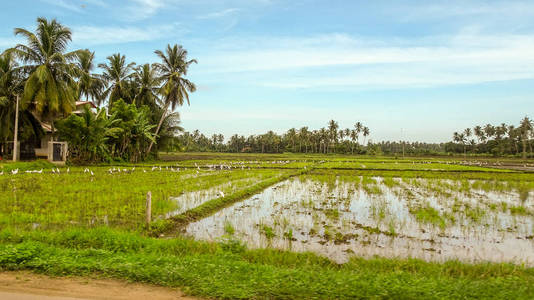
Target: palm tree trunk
{"x":159,"y":124}
{"x":524,"y":148}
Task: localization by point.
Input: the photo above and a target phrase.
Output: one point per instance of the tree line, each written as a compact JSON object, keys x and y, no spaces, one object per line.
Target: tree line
{"x":329,"y":139}
{"x":497,"y":140}
{"x":136,"y":100}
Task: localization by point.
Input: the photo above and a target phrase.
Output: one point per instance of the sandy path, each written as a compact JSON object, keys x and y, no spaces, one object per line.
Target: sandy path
{"x":29,"y":286}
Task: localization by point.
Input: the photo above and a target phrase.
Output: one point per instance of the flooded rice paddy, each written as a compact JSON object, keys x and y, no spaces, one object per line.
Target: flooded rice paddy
{"x":342,"y":216}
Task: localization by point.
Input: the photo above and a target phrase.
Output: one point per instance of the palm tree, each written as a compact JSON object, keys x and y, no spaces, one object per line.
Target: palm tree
{"x":460,"y":138}
{"x":176,"y":88}
{"x":526,"y":127}
{"x":332,"y":129}
{"x":353,"y":138}
{"x":51,"y":86}
{"x":479,"y":133}
{"x":341,"y":135}
{"x":148,"y":84}
{"x":89,"y":85}
{"x":467,"y":133}
{"x":10,"y":86}
{"x":489,"y":131}
{"x":116,"y":73}
{"x":292,"y":135}
{"x":365,"y":133}
{"x":303,"y":136}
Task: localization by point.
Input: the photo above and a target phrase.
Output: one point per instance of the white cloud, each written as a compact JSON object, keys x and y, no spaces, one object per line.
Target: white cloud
{"x":64,"y":4}
{"x":76,"y":6}
{"x":446,"y":9}
{"x":93,"y":35}
{"x":342,"y":61}
{"x":142,"y":9}
{"x":219,"y":14}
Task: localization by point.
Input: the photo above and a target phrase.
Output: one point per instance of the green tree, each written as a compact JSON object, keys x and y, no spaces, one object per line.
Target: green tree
{"x":51,"y":86}
{"x":88,"y":134}
{"x":332,"y":130}
{"x":148,"y":85}
{"x":525,"y":128}
{"x":90,"y":85}
{"x":11,"y":85}
{"x":117,"y":74}
{"x":176,"y":88}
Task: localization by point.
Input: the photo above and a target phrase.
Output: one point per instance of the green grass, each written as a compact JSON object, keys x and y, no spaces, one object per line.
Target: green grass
{"x":80,"y":199}
{"x":233,"y":272}
{"x":25,"y":165}
{"x":427,"y":214}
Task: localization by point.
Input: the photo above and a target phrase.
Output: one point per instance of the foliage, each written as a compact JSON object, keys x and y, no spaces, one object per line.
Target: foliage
{"x":96,"y":137}
{"x":297,"y":141}
{"x":50,"y":81}
{"x":497,"y":140}
{"x":50,"y":87}
{"x":88,"y":134}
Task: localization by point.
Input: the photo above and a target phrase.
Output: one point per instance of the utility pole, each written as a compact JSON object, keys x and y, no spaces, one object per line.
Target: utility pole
{"x":16,"y":133}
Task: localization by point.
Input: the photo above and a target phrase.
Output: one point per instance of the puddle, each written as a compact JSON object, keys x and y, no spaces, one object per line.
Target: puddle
{"x":431,"y":219}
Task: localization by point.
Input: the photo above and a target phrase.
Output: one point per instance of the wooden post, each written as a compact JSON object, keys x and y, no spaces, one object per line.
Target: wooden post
{"x":148,"y":208}
{"x":16,"y":133}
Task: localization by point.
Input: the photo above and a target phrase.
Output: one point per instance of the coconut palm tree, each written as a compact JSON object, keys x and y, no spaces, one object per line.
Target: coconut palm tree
{"x":353,"y":138}
{"x":332,"y":130}
{"x":526,"y":128}
{"x":116,"y":74}
{"x":11,"y":85}
{"x":489,"y":131}
{"x":175,"y":90}
{"x":89,"y":85}
{"x":358,"y":127}
{"x":366,"y":133}
{"x":51,"y":86}
{"x":479,"y":133}
{"x":148,"y":84}
{"x":291,"y":136}
{"x":304,"y":137}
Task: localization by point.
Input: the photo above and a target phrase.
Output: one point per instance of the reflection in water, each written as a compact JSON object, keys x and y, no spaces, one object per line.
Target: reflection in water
{"x":428,"y":219}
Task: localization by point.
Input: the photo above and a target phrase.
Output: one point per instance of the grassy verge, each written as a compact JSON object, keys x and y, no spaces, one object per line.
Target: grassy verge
{"x":228,"y":270}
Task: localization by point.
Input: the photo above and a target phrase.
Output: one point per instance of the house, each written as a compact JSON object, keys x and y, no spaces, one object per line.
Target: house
{"x":44,"y":150}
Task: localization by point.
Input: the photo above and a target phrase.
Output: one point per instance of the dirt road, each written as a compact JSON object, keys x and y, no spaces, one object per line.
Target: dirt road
{"x":29,"y":286}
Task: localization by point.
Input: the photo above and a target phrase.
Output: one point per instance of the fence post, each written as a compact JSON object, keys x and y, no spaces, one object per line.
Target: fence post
{"x":148,"y":208}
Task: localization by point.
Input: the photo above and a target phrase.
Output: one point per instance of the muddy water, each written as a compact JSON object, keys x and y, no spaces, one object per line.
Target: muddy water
{"x":343,"y":218}
{"x":193,"y":199}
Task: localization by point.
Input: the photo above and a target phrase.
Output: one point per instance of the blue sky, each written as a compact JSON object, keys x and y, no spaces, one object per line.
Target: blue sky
{"x":414,"y":70}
